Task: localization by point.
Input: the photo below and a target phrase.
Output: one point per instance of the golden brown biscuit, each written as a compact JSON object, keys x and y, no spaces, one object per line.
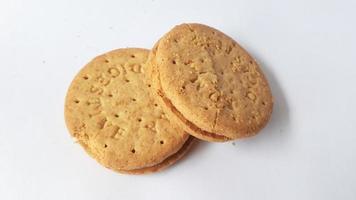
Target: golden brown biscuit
{"x":111,"y":113}
{"x":209,"y":84}
{"x":167,"y":162}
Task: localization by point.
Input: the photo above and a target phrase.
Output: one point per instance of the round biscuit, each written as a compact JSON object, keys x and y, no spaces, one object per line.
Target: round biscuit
{"x":209,"y":84}
{"x":111,"y":113}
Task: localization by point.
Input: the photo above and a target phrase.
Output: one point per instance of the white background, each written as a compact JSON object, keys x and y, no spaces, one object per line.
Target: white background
{"x":306,"y":48}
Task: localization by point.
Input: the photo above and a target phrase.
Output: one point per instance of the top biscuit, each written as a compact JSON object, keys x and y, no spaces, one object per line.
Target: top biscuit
{"x":111,"y":113}
{"x":209,"y":84}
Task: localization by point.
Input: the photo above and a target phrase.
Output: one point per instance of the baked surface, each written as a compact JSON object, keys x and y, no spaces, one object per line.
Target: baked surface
{"x":209,"y":84}
{"x":165,"y":163}
{"x":111,"y":113}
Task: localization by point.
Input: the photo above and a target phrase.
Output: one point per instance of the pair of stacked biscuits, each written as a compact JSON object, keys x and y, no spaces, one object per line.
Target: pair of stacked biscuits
{"x":137,"y":111}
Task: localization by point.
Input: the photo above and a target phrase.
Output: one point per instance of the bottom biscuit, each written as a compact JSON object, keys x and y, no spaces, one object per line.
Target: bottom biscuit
{"x":165,"y":163}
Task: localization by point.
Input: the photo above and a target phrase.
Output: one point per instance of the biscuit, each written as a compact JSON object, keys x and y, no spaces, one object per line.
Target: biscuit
{"x":111,"y":113}
{"x":208,"y":84}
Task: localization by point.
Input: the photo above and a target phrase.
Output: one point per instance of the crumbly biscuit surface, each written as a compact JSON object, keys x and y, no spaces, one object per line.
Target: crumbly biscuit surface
{"x":110,"y":112}
{"x":212,"y":82}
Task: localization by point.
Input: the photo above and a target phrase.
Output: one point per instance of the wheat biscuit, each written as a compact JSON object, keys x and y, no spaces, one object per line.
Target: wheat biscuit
{"x":208,"y":84}
{"x":111,"y":113}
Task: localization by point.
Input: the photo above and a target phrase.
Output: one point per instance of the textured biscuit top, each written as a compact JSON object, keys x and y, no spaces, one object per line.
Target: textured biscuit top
{"x":111,"y":113}
{"x":212,"y":81}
